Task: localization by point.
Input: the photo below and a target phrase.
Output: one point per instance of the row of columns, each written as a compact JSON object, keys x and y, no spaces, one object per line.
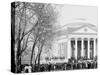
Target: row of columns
{"x":88,"y":47}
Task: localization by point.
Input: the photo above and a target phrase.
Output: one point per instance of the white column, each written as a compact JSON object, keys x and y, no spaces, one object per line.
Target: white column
{"x":65,"y":50}
{"x":88,"y":48}
{"x":60,"y":50}
{"x":96,"y":47}
{"x":82,"y":47}
{"x":94,"y":50}
{"x":69,"y":49}
{"x":76,"y":48}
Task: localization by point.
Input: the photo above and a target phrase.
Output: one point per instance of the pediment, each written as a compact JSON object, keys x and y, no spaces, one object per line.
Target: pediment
{"x":86,"y":30}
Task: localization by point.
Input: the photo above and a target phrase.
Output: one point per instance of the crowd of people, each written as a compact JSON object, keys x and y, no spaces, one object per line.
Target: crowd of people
{"x":71,"y":65}
{"x":65,"y":66}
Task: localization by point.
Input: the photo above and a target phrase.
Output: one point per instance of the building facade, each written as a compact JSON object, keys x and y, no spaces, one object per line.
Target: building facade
{"x":77,"y":40}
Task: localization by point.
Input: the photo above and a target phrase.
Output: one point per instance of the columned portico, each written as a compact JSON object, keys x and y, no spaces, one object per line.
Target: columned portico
{"x":83,"y":47}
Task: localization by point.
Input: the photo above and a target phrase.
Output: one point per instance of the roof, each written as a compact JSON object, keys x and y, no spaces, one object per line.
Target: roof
{"x":69,"y":28}
{"x":74,"y":25}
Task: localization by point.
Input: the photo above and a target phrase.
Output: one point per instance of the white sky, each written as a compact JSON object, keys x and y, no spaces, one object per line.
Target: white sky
{"x":75,"y":13}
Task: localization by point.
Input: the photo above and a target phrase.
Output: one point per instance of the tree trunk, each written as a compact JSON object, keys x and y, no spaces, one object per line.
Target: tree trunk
{"x":18,"y":56}
{"x":39,"y":55}
{"x":33,"y":48}
{"x":36,"y":58}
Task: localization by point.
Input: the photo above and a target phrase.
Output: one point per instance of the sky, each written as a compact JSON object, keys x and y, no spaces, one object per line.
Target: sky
{"x":75,"y":13}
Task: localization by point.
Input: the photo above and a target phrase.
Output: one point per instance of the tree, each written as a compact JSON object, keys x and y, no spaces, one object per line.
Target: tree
{"x":31,"y":19}
{"x":43,"y":31}
{"x":22,"y":27}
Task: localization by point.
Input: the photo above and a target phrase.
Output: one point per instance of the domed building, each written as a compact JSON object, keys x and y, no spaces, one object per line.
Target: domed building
{"x":74,"y":40}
